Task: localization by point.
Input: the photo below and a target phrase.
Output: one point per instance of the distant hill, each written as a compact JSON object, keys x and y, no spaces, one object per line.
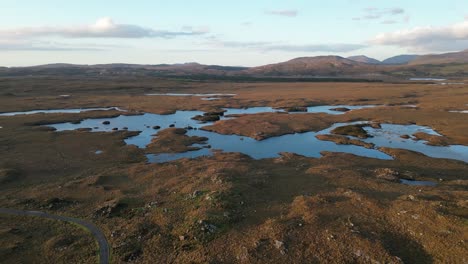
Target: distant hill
{"x":55,"y":66}
{"x":125,"y":69}
{"x":453,"y":57}
{"x":311,"y":66}
{"x":453,"y":64}
{"x":364,"y":59}
{"x":400,"y":59}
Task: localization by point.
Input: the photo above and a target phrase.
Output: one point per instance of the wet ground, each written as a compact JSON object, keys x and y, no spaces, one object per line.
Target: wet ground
{"x":306,"y":144}
{"x":230,"y":207}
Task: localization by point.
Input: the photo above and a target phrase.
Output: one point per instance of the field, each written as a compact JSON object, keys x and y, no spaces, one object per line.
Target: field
{"x":231,"y":208}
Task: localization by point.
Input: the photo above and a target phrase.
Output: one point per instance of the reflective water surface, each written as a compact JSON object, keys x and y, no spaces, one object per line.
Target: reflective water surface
{"x":417,"y":183}
{"x":305,"y":144}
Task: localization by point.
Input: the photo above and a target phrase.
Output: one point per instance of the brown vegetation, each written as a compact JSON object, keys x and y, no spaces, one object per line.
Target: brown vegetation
{"x":230,"y":208}
{"x":343,"y":140}
{"x":174,"y":140}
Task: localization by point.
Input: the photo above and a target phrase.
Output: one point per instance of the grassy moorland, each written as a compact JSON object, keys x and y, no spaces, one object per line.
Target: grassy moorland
{"x":231,"y":208}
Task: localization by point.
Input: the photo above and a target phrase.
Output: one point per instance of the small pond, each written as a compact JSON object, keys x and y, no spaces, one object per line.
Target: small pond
{"x":417,"y":183}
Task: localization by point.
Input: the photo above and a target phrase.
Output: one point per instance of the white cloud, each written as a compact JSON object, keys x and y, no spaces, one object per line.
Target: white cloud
{"x":285,"y":12}
{"x":429,"y":38}
{"x":103,"y":28}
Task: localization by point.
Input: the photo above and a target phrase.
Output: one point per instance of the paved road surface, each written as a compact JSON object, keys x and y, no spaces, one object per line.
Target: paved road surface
{"x":98,"y":235}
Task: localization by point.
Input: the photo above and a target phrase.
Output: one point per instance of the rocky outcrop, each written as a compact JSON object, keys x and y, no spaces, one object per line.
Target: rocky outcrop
{"x":340,"y":109}
{"x":295,"y":109}
{"x":342,"y":140}
{"x":206,"y":118}
{"x":352,"y":130}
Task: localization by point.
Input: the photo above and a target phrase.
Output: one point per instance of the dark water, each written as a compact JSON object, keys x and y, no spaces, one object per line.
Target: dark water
{"x":303,"y":144}
{"x":417,"y":183}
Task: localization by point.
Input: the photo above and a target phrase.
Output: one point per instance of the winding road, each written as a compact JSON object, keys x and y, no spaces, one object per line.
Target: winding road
{"x":97,"y":233}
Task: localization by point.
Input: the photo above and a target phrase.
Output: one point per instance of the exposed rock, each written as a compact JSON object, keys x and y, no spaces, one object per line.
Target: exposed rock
{"x":151,"y":204}
{"x":195,"y":194}
{"x":57,"y":203}
{"x":279,"y":244}
{"x":218,"y":113}
{"x":387,"y":174}
{"x":206,"y":118}
{"x":84,"y":129}
{"x":106,"y":122}
{"x":172,"y":125}
{"x":341,"y":109}
{"x":295,"y":109}
{"x":109,"y":209}
{"x":375,"y":125}
{"x":206,"y":227}
{"x":405,"y":136}
{"x":130,"y":257}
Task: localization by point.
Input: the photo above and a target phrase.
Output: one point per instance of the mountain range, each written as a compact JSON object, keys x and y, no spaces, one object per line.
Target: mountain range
{"x":453,"y":64}
{"x":454,"y":57}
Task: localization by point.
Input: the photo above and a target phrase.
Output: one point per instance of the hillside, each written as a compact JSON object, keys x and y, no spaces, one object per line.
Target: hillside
{"x":123,"y":69}
{"x":404,"y":66}
{"x":453,"y":57}
{"x":312,"y":66}
{"x":364,"y":59}
{"x":400,"y":59}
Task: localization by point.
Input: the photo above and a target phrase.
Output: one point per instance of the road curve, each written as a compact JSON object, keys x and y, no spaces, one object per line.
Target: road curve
{"x":98,"y":235}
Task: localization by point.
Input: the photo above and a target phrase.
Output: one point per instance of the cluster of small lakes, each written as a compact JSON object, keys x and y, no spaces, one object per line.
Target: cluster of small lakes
{"x":309,"y":144}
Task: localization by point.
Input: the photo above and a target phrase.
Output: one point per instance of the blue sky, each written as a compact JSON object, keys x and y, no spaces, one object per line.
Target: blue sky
{"x":224,"y":32}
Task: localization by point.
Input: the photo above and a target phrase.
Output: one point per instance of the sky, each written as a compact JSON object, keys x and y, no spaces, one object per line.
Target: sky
{"x":238,"y":33}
